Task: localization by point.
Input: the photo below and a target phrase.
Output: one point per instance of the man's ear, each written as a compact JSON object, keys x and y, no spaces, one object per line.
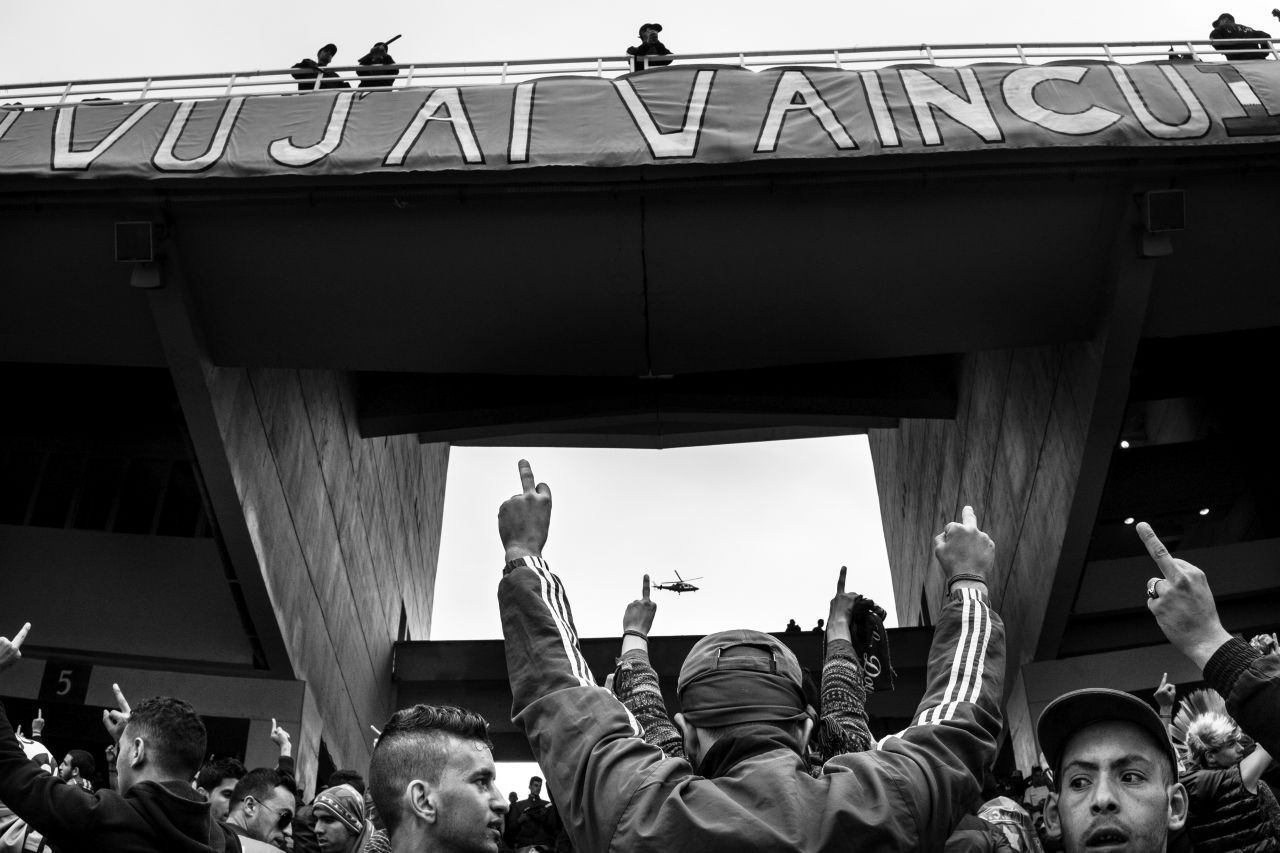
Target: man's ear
{"x":420,"y":800}
{"x":1179,"y":803}
{"x":137,"y":752}
{"x":1052,"y":820}
{"x":690,"y":736}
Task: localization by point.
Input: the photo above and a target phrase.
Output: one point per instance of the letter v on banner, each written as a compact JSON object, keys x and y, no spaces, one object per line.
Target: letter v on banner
{"x":64,"y":158}
{"x":676,"y":143}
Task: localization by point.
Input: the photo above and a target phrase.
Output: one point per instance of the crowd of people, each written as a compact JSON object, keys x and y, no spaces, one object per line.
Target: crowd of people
{"x":759,"y":757}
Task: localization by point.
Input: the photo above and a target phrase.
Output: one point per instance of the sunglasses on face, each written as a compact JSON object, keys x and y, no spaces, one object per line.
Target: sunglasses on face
{"x":284,"y":816}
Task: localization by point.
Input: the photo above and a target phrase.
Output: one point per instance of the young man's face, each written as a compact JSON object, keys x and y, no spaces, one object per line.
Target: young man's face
{"x":1225,"y":756}
{"x":271,"y":818}
{"x":469,"y":805}
{"x":220,"y":798}
{"x":649,"y":36}
{"x":332,"y":835}
{"x":65,"y":770}
{"x":324,"y":57}
{"x":1116,"y":792}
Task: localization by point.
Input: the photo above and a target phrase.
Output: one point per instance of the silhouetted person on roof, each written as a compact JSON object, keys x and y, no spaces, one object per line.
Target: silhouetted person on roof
{"x":649,"y":47}
{"x":311,"y":74}
{"x":1226,"y":28}
{"x":373,"y":76}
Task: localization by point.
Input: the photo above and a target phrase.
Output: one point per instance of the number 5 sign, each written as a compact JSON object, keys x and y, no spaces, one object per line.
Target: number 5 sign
{"x":65,"y":682}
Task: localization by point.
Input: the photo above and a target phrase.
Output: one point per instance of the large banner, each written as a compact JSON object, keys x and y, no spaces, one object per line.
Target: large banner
{"x":689,"y":114}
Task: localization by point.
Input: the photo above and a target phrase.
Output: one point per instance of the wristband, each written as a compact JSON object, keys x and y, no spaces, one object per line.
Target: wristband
{"x":531,"y":562}
{"x":965,"y":576}
{"x":632,"y":632}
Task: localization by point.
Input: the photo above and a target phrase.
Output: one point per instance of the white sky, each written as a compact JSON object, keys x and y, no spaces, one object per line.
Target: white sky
{"x":767,"y":527}
{"x":138,"y":38}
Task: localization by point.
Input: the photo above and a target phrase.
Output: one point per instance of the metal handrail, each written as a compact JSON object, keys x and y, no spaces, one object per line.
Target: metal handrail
{"x":279,"y":81}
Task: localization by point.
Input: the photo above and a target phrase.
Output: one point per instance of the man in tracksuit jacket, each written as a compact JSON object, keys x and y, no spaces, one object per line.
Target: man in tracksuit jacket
{"x":750,"y":790}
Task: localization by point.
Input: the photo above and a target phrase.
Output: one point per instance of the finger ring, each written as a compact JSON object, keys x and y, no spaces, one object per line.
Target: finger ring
{"x":1151,"y":588}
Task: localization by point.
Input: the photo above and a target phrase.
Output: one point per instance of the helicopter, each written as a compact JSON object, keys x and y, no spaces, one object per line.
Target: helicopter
{"x":678,"y":586}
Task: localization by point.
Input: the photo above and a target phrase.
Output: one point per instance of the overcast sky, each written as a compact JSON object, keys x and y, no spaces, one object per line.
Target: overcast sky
{"x":137,"y":38}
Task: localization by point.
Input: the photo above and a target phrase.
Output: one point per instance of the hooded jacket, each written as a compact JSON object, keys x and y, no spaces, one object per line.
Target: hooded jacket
{"x":151,"y":817}
{"x":750,"y":793}
{"x":1250,"y":682}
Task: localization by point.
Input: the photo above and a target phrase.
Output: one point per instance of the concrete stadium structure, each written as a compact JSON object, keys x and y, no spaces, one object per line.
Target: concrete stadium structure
{"x":226,"y":481}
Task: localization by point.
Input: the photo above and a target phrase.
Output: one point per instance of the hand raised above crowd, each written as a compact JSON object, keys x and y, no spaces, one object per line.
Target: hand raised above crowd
{"x":280,"y":738}
{"x":1182,"y":602}
{"x":638,"y":617}
{"x":524,"y":519}
{"x":964,"y":552}
{"x":11,"y":650}
{"x":115,"y":720}
{"x":1166,"y":694}
{"x":840,"y":616}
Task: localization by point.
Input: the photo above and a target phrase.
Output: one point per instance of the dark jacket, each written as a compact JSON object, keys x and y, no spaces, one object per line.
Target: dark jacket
{"x":655,"y":49}
{"x":373,"y":75}
{"x":751,"y":792}
{"x":308,"y":70}
{"x":1225,"y":817}
{"x":1245,"y":49}
{"x":1251,"y":684}
{"x":167,"y":817}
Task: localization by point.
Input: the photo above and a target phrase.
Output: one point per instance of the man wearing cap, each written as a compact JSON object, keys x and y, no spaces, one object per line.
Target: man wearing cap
{"x":649,"y":46}
{"x":1116,"y":771}
{"x":312,"y":74}
{"x":744,"y":783}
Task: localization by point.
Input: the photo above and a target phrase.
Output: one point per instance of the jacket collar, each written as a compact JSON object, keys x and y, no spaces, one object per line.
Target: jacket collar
{"x":750,"y":740}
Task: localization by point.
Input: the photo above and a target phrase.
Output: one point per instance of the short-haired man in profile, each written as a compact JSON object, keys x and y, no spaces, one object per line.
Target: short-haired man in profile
{"x":262,"y":809}
{"x":1116,"y":770}
{"x":78,"y":767}
{"x":159,"y":744}
{"x":216,"y":782}
{"x":433,"y":781}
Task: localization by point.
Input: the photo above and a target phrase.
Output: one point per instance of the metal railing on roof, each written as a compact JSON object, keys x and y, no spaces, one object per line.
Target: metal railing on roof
{"x":280,"y":81}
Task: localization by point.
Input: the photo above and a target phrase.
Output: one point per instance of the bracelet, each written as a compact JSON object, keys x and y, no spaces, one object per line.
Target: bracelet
{"x":965,"y":576}
{"x":632,"y":632}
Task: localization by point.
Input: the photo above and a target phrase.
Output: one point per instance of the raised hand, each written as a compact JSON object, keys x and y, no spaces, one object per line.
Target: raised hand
{"x":524,"y":519}
{"x":37,"y":724}
{"x":639,"y":614}
{"x":280,"y":738}
{"x":115,"y":720}
{"x":964,"y":550}
{"x":840,"y":616}
{"x":11,"y":650}
{"x":1266,"y":643}
{"x":1166,"y":694}
{"x":1182,"y":602}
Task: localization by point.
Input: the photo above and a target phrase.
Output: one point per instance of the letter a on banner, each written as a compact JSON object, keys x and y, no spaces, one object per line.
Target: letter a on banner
{"x":64,"y":131}
{"x":463,"y":133}
{"x":166,"y":160}
{"x":284,"y":152}
{"x":795,"y":91}
{"x":677,"y":143}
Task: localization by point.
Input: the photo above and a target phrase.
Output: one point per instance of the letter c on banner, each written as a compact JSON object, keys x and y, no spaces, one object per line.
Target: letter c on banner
{"x":1019,"y":88}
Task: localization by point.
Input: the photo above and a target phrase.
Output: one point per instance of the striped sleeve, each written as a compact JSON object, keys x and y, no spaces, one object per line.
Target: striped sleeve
{"x":542,"y":643}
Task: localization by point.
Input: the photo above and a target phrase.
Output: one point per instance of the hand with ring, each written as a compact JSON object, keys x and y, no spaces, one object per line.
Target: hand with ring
{"x":1182,"y":603}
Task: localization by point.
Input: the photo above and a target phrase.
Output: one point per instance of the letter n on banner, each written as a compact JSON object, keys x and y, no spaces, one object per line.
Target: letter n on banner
{"x":927,"y":94}
{"x":676,"y":143}
{"x":795,"y":91}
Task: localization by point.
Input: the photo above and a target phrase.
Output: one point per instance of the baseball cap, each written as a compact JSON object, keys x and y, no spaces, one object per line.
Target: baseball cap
{"x":741,"y":676}
{"x":1073,"y":711}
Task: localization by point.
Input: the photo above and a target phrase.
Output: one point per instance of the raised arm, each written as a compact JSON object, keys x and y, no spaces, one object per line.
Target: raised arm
{"x":1183,"y":606}
{"x":953,"y":735}
{"x":635,"y":682}
{"x":843,"y":715}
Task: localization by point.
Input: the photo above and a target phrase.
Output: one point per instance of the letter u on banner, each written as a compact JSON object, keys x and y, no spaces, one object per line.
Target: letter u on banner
{"x":677,"y":143}
{"x":167,"y":161}
{"x":1196,"y":123}
{"x":284,"y":152}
